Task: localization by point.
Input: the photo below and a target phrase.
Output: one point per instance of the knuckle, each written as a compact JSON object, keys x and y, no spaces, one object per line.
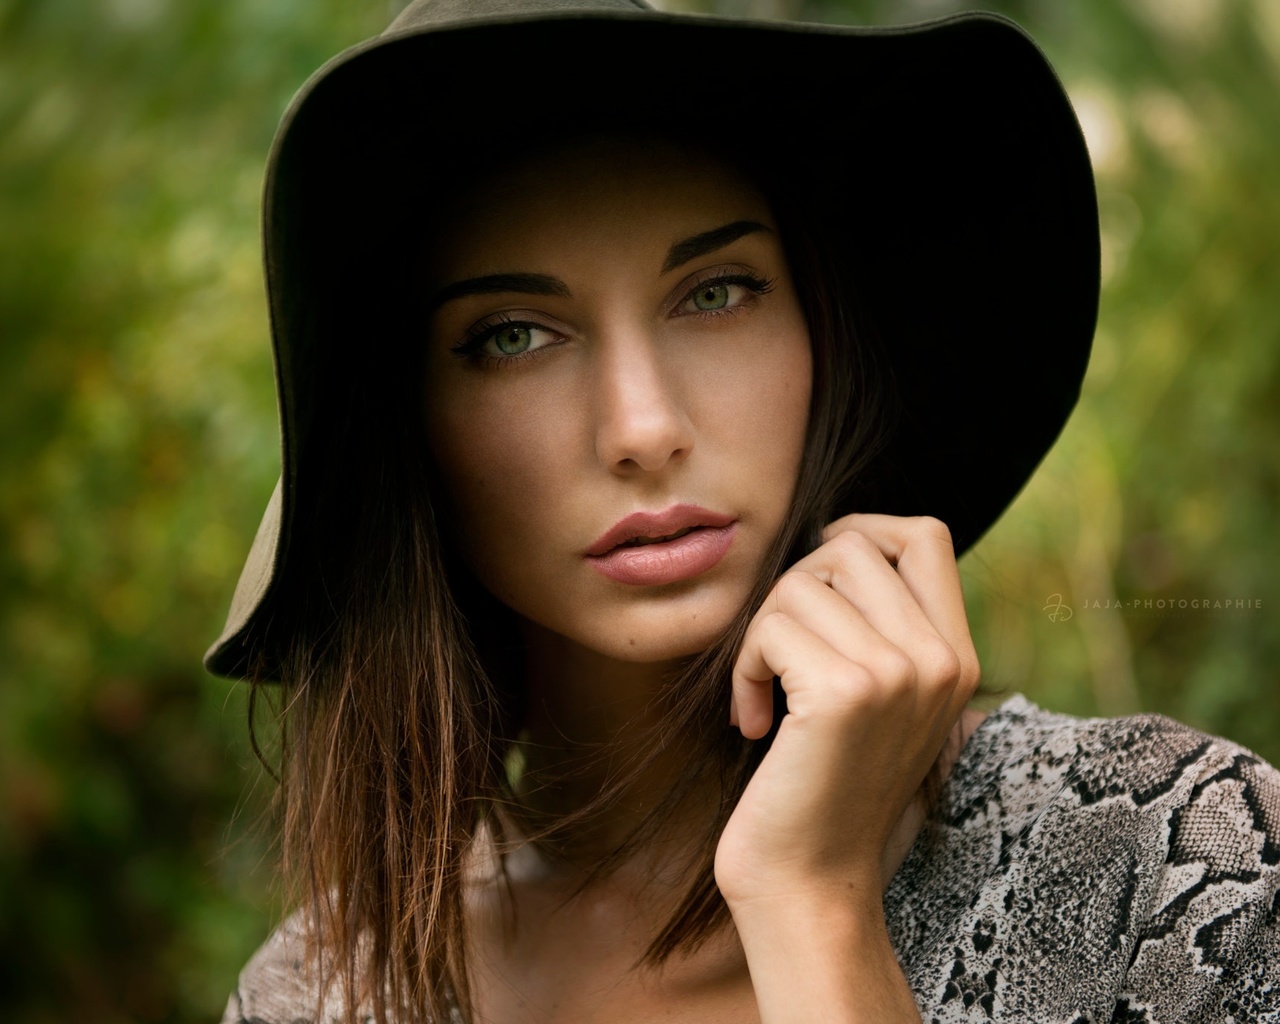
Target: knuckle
{"x":852,"y":686}
{"x":850,"y":543}
{"x":940,"y":663}
{"x":836,"y":526}
{"x":932,"y":528}
{"x":775,"y":622}
{"x":875,"y":683}
{"x":897,"y":670}
{"x":791,"y":584}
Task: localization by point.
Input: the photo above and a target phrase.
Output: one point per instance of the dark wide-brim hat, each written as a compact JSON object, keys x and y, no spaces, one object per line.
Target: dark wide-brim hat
{"x":947,"y":152}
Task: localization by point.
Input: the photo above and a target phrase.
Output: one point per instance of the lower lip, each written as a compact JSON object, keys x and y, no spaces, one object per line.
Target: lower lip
{"x":670,"y":561}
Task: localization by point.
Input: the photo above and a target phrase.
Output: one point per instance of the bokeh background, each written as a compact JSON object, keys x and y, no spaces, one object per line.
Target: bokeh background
{"x":138,"y":444}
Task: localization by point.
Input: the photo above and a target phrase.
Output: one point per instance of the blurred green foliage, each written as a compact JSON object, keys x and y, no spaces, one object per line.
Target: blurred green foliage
{"x":138,"y":445}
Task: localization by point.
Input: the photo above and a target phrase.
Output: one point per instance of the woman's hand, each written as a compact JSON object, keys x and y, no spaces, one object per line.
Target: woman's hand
{"x":869,"y":638}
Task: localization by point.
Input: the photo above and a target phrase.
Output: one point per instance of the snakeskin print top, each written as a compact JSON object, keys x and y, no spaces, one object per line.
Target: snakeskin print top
{"x":1095,"y":870}
{"x":1078,"y":871}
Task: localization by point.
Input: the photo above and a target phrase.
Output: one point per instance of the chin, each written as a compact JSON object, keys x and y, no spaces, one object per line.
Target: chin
{"x":669,"y":635}
{"x":635,"y":627}
{"x":647,"y":652}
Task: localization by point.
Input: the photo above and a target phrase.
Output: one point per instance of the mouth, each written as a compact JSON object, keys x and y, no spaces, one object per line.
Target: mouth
{"x":636,"y":542}
{"x":648,"y":549}
{"x":640,"y":529}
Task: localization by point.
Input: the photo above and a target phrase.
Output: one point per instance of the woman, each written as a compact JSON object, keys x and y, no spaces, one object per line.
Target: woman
{"x":608,"y":423}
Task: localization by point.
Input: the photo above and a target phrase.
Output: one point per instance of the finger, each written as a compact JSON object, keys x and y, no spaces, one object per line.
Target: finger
{"x":817,"y":678}
{"x":911,"y":667}
{"x":921,"y":550}
{"x":854,"y":569}
{"x":848,"y":595}
{"x":874,"y":620}
{"x":815,"y":614}
{"x":859,"y":574}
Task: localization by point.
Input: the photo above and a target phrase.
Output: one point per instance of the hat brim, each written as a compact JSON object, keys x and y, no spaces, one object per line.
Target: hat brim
{"x":948,"y":152}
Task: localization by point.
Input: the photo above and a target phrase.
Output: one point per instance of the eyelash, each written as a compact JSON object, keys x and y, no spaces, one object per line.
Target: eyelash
{"x":477,"y":336}
{"x":757,"y":286}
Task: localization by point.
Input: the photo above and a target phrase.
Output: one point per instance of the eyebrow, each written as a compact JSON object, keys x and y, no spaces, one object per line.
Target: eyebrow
{"x":491,"y":284}
{"x":709,"y":241}
{"x":545,"y":284}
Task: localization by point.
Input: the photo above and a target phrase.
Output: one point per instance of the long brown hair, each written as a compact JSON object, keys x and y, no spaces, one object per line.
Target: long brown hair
{"x":394,"y":727}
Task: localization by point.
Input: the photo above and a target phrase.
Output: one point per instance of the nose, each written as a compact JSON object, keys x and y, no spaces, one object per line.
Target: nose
{"x":642,"y":422}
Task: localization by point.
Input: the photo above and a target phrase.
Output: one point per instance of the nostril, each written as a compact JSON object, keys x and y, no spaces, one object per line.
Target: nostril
{"x":645,"y":441}
{"x":641,"y":420}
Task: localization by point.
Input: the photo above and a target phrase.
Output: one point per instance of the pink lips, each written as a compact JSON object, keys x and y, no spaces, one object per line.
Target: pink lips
{"x":648,"y":549}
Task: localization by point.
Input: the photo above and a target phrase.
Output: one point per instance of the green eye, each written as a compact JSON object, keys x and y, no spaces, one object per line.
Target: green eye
{"x":711,"y":297}
{"x":513,"y":340}
{"x":506,"y":341}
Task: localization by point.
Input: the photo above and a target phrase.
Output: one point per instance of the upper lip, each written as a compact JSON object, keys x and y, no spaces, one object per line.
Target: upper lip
{"x":657,"y":524}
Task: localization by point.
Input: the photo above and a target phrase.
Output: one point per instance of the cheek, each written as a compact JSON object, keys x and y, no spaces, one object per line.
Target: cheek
{"x":792,"y":371}
{"x":789,"y":412}
{"x":770,"y":398}
{"x":794,"y":389}
{"x":494,"y":469}
{"x":776,"y":417}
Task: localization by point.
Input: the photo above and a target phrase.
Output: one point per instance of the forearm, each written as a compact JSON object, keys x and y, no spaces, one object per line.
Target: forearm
{"x":823,"y":959}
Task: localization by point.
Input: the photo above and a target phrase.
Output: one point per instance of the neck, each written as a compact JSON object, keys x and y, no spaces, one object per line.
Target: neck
{"x":591,"y":719}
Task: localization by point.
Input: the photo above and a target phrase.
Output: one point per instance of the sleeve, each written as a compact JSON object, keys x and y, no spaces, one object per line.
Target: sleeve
{"x":276,"y":987}
{"x":1210,"y":950}
{"x":234,"y":1013}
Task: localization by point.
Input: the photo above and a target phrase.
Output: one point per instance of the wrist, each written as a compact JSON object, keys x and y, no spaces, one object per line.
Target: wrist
{"x":761,"y":896}
{"x":851,"y":915}
{"x":838,"y":943}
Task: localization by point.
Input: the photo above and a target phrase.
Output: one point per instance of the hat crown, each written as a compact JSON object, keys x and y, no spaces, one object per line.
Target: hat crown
{"x":975,"y":192}
{"x":423,"y":13}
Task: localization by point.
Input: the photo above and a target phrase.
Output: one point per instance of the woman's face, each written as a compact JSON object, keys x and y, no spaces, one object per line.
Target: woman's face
{"x":617,"y":389}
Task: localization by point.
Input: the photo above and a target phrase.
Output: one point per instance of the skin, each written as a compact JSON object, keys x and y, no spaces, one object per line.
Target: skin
{"x":621,"y":393}
{"x":633,"y":402}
